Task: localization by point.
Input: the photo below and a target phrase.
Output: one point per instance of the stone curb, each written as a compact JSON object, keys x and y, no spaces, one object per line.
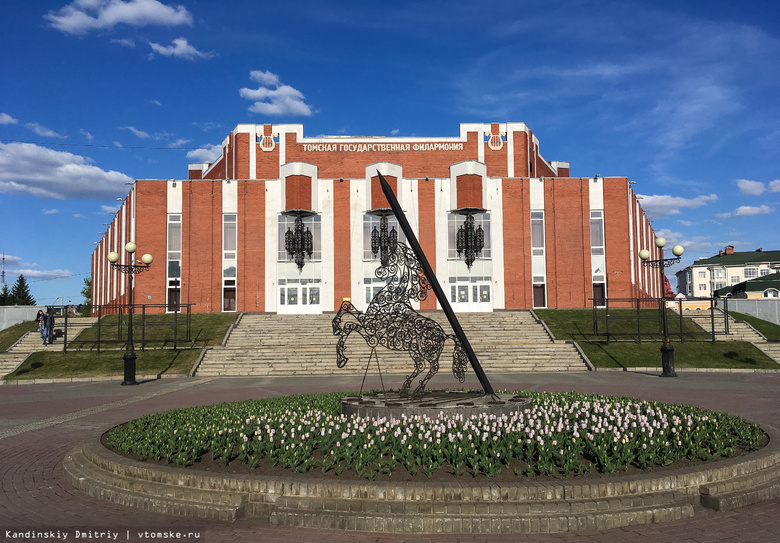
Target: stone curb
{"x":458,"y":507}
{"x":118,"y":378}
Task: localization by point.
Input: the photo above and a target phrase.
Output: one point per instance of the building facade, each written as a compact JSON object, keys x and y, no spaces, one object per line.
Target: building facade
{"x":728,"y":268}
{"x":220,"y":237}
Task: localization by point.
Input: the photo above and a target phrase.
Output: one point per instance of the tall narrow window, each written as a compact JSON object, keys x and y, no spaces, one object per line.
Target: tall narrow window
{"x":538,"y":262}
{"x":174,"y":262}
{"x":229,"y":262}
{"x":537,"y":229}
{"x":229,"y":236}
{"x":597,"y":257}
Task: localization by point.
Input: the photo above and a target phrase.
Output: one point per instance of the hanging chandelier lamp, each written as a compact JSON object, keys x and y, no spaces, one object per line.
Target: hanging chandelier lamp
{"x":299,"y":243}
{"x":469,"y":241}
{"x":383,"y":241}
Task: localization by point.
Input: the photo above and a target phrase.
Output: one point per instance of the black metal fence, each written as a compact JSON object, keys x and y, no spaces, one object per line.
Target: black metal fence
{"x":638,"y":319}
{"x":153,"y":327}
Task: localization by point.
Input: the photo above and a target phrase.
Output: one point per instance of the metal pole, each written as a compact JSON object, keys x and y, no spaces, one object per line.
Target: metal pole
{"x":667,"y":350}
{"x":130,"y":356}
{"x":437,"y":290}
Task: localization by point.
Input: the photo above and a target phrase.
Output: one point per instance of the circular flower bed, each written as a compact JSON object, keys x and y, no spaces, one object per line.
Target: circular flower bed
{"x":562,"y":434}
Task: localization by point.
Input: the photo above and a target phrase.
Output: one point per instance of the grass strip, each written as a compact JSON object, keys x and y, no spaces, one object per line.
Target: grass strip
{"x":577,"y":325}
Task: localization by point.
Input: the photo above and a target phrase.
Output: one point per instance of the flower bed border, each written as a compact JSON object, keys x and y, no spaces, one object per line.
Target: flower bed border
{"x":426,"y":507}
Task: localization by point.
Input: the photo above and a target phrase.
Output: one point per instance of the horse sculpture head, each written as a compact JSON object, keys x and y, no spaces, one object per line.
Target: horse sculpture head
{"x":404,"y":276}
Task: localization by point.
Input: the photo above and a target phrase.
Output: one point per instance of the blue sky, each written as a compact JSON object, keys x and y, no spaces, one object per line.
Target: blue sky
{"x":681,"y":97}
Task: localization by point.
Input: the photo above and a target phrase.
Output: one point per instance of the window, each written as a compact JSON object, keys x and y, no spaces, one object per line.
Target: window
{"x":373,"y":221}
{"x":751,"y":273}
{"x":702,"y":274}
{"x":734,"y":279}
{"x":229,"y":236}
{"x":763,"y":272}
{"x":174,"y":262}
{"x":174,"y":246}
{"x":702,"y":286}
{"x":454,"y":222}
{"x":597,"y":229}
{"x":537,"y":229}
{"x":770,"y":293}
{"x":719,"y":273}
{"x":315,"y":227}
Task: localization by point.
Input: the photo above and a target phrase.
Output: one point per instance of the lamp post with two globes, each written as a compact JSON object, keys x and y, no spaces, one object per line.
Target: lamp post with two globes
{"x":667,"y":351}
{"x":130,"y":269}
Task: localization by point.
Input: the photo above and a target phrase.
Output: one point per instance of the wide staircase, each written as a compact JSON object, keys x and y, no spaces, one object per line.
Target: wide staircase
{"x":262,"y":344}
{"x":737,"y":331}
{"x":31,"y":342}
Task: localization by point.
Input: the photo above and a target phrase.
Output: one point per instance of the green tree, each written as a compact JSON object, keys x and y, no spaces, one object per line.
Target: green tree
{"x":86,"y":292}
{"x":20,"y":293}
{"x":5,"y":295}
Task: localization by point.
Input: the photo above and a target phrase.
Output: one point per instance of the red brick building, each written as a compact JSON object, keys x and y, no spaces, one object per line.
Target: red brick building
{"x":218,"y":237}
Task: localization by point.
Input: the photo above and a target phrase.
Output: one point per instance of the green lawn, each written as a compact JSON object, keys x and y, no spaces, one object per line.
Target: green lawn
{"x":207,"y":330}
{"x":577,"y":325}
{"x":107,"y":363}
{"x":770,"y":330}
{"x":11,"y":335}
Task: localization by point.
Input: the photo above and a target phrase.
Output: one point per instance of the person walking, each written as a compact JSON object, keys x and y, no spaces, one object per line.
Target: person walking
{"x":41,"y":320}
{"x":50,"y":326}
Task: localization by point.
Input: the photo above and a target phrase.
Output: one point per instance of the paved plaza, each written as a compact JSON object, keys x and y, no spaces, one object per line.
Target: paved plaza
{"x":40,"y":424}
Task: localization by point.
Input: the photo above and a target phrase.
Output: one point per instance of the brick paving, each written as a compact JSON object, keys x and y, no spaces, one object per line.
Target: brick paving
{"x":40,"y":424}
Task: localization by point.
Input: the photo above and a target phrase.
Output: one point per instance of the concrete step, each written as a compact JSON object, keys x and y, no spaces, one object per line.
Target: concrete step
{"x":263,"y":344}
{"x":10,"y":361}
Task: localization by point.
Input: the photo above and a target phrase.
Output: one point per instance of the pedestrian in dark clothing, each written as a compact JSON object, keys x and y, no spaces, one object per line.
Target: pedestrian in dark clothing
{"x":50,"y":326}
{"x":40,"y":318}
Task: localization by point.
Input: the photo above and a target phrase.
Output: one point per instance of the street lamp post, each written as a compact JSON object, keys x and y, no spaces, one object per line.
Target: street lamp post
{"x":130,"y":269}
{"x":667,"y":351}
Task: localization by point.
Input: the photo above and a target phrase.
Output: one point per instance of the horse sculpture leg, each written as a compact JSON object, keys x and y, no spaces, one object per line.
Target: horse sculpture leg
{"x":419,"y":366}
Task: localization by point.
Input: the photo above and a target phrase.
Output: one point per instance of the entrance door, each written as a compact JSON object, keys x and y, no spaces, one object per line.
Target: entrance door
{"x":299,"y":297}
{"x":471,"y":295}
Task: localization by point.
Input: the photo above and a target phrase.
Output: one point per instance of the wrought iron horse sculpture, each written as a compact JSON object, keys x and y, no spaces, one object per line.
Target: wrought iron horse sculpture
{"x":391,"y":322}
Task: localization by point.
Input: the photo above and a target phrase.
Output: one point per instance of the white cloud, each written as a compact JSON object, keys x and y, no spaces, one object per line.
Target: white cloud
{"x":50,"y":211}
{"x":139,"y":133}
{"x":747,"y":211}
{"x":206,"y":126}
{"x":111,"y":210}
{"x":83,"y":16}
{"x":178,"y":143}
{"x":751,"y":188}
{"x":774,"y":186}
{"x":685,"y":223}
{"x":156,"y":102}
{"x":266,"y":78}
{"x":657,"y":206}
{"x":206,"y":154}
{"x":34,"y":170}
{"x":43,"y":131}
{"x":280,"y":100}
{"x":180,"y":49}
{"x":30,"y":273}
{"x":86,"y":134}
{"x":124,"y":43}
{"x":394,"y":132}
{"x":5,"y":118}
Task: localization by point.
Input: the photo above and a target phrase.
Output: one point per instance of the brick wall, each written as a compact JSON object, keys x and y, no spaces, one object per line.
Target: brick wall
{"x":297,"y":190}
{"x":250,"y":287}
{"x":341,"y":243}
{"x":151,"y":237}
{"x":469,"y":190}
